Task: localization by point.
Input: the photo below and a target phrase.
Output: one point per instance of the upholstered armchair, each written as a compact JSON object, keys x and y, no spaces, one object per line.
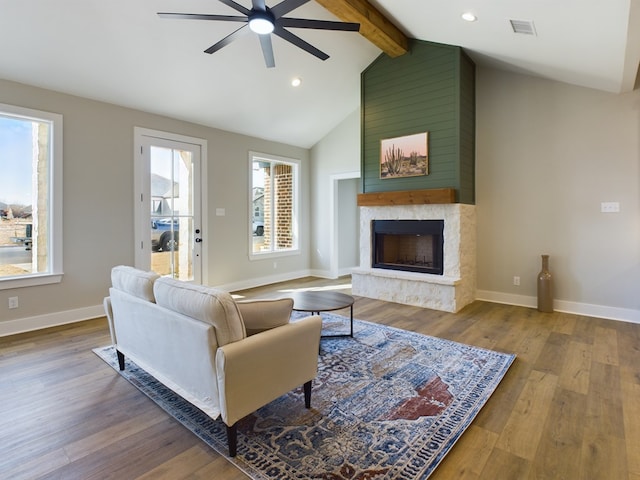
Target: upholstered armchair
{"x":227,"y":358}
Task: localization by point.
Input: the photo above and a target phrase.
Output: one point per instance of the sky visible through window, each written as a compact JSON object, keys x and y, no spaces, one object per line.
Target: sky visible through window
{"x":15,"y":161}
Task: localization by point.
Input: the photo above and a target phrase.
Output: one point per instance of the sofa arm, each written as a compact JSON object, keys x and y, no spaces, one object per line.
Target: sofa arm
{"x":261,"y":315}
{"x":258,"y":369}
{"x":109,"y":313}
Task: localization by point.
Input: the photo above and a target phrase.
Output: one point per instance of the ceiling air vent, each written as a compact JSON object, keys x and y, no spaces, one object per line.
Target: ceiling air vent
{"x":524,"y":27}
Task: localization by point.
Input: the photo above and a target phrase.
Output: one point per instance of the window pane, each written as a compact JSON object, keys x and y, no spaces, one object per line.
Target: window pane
{"x":25,"y":153}
{"x":273,"y":206}
{"x":172,"y":212}
{"x":282,"y":198}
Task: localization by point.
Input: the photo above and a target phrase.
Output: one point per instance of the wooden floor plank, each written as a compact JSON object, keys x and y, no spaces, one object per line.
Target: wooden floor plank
{"x":576,"y":368}
{"x":524,"y":429}
{"x":629,"y":352}
{"x":631,"y":412}
{"x":603,"y":457}
{"x":558,"y":454}
{"x":505,"y":466}
{"x":552,"y":355}
{"x":187,"y":463}
{"x":469,"y":456}
{"x":604,"y":414}
{"x":605,"y":346}
{"x":564,"y":323}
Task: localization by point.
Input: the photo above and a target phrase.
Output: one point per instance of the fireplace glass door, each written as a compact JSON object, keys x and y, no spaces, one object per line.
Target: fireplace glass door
{"x":408,"y":245}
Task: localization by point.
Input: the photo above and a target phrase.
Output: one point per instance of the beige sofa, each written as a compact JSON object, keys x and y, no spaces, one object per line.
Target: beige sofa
{"x":194,"y":340}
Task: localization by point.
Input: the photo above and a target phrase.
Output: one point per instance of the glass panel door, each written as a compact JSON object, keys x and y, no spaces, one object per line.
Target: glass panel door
{"x":169,"y":216}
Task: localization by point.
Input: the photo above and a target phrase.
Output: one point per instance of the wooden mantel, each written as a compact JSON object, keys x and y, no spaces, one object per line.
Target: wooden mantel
{"x":407,"y":197}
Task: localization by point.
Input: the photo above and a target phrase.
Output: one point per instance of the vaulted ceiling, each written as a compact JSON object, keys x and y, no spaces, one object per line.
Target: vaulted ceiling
{"x":122,"y":52}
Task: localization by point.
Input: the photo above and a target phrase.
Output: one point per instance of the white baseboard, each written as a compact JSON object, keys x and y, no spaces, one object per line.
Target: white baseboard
{"x":507,"y":298}
{"x":28,"y":324}
{"x":345,"y":271}
{"x":586,"y":309}
{"x":328,"y":273}
{"x":259,"y":282}
{"x":322,"y":274}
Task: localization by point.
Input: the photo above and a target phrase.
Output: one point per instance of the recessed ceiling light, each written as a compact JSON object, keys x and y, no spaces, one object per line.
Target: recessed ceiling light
{"x":469,"y":17}
{"x":296,"y":82}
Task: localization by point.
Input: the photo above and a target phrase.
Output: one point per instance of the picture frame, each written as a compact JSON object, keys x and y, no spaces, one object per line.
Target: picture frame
{"x":405,"y":156}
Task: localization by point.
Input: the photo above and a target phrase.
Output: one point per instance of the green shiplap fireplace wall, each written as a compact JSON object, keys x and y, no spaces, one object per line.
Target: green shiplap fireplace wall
{"x":431,"y":88}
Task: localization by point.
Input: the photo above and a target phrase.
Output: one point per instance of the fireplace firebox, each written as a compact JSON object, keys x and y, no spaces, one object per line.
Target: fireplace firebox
{"x":408,"y":245}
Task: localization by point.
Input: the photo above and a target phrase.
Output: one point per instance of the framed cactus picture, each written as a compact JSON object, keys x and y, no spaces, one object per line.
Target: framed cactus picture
{"x":406,"y":156}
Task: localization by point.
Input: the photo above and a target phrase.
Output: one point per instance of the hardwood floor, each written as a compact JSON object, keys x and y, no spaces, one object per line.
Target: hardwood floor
{"x":569,"y":407}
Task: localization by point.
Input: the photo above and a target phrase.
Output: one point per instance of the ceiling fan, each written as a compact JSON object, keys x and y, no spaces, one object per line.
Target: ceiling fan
{"x":264,"y":21}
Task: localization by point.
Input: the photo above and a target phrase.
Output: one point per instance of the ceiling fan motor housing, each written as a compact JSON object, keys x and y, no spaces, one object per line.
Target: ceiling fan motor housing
{"x":261,"y":21}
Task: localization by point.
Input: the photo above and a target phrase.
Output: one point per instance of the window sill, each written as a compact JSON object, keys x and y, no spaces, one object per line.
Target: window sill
{"x":31,"y":280}
{"x":267,"y":255}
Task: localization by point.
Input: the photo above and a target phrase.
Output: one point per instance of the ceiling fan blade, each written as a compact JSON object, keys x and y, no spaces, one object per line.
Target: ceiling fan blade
{"x":285,"y":7}
{"x":259,"y":5}
{"x":318,"y":24}
{"x":267,"y":50}
{"x":236,"y":6}
{"x":227,"y":40}
{"x":298,"y":42}
{"x":199,"y":16}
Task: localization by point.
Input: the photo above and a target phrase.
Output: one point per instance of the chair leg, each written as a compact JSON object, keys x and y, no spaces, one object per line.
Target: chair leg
{"x":307,"y":394}
{"x":232,"y":439}
{"x":120,"y":360}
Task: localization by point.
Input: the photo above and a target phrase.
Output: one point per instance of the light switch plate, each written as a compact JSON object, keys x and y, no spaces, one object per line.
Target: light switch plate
{"x":610,"y":207}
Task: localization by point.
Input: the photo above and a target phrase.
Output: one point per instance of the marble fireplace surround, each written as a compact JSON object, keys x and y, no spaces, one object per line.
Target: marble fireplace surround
{"x":449,"y":292}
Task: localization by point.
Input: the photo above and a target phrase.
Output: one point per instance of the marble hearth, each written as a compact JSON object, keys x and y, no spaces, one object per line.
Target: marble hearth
{"x":449,"y":292}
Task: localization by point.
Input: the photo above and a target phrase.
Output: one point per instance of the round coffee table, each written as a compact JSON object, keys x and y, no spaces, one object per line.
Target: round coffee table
{"x":321,"y":301}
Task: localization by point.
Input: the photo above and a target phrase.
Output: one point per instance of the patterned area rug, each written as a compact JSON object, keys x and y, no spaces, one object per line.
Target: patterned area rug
{"x":386,"y":404}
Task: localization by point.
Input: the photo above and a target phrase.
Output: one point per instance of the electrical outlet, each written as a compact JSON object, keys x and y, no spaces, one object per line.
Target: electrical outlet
{"x":516,"y":281}
{"x":13,"y":302}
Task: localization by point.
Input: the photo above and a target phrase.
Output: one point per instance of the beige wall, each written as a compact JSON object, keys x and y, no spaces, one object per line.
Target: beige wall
{"x":98,"y":205}
{"x":547,"y":155}
{"x":338,"y":153}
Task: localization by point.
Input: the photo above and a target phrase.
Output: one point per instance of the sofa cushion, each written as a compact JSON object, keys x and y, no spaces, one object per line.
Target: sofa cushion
{"x":134,"y":282}
{"x":207,"y":304}
{"x":261,"y":315}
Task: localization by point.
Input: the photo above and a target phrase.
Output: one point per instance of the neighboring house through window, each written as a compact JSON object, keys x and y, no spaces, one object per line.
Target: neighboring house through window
{"x":274,"y":204}
{"x":30,"y":197}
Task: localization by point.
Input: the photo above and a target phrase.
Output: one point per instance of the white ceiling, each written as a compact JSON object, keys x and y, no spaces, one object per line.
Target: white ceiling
{"x":121,"y":52}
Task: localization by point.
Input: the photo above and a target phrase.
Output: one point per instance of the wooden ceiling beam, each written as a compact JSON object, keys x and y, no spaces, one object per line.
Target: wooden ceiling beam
{"x":374,"y":26}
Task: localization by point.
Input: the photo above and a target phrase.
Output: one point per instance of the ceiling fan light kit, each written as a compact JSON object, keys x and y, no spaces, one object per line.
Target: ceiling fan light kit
{"x":263,"y":21}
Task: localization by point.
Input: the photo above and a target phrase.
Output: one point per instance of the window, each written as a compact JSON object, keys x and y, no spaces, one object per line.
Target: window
{"x":273,"y":204}
{"x":30,"y":197}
